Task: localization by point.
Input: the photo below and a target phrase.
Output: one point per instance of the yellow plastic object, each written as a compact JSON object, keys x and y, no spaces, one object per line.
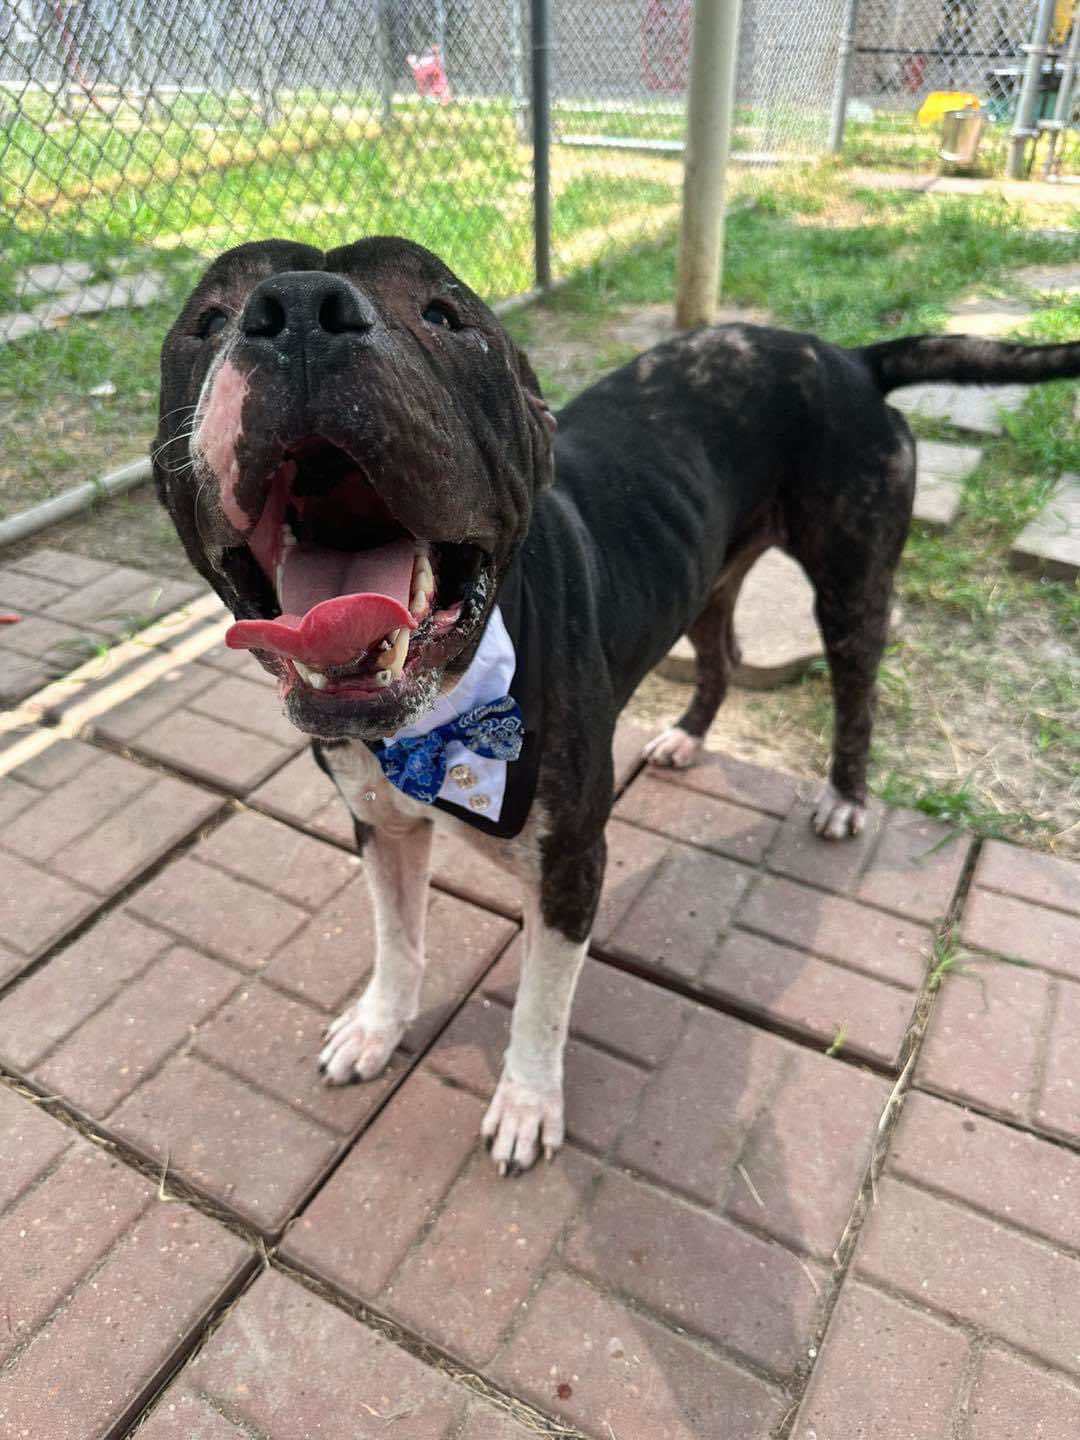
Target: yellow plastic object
{"x":939,"y":102}
{"x":1063,"y":18}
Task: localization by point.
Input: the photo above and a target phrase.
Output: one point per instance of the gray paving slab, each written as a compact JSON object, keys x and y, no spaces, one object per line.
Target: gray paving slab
{"x":942,"y":468}
{"x":987,"y":318}
{"x":1050,"y":279}
{"x":47,"y":279}
{"x":969,"y":407}
{"x":775,"y":625}
{"x":129,"y":292}
{"x":1050,"y":544}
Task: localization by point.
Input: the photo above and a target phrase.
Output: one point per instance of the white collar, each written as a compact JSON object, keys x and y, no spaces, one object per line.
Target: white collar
{"x":487,"y":678}
{"x":473,"y":782}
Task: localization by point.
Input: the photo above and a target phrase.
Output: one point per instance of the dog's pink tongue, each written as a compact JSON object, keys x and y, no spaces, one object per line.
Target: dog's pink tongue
{"x":335,"y":604}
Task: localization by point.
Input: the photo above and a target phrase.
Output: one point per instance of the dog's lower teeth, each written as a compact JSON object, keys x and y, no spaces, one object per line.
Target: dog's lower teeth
{"x":383,"y":677}
{"x":398,"y":650}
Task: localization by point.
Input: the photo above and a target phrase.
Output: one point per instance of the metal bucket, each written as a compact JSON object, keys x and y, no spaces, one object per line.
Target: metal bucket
{"x":960,"y":136}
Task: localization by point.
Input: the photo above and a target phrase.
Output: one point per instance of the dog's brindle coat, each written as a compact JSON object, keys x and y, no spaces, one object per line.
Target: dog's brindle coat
{"x":672,"y":475}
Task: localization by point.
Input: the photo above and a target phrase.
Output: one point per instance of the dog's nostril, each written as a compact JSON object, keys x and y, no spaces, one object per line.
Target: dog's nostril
{"x":263,"y":315}
{"x":343,"y":310}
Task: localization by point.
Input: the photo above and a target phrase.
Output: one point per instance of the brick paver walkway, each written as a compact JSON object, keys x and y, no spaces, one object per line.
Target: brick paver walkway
{"x":816,"y":1184}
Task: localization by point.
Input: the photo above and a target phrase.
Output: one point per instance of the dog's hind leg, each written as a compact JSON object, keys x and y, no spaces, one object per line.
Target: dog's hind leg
{"x":526,"y":1113}
{"x":362,"y":1039}
{"x":854,"y":626}
{"x":851,"y":562}
{"x":713,"y":637}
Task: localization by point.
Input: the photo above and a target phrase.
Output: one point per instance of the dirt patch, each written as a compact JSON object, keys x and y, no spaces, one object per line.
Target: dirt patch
{"x":131,"y":529}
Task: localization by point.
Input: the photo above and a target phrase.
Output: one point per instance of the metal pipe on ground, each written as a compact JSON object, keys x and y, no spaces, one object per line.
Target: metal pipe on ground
{"x":1025,"y":128}
{"x":73,"y":501}
{"x":708,"y":140}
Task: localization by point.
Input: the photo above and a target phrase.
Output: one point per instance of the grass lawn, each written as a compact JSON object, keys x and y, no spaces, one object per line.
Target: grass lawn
{"x":979,"y":718}
{"x":169,"y":191}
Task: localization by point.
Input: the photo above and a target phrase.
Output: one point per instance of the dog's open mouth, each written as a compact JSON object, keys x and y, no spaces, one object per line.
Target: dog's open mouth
{"x":360,"y":596}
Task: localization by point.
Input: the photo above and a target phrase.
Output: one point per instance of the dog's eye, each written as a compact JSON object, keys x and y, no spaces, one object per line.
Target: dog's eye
{"x":210,"y":322}
{"x":439,"y":313}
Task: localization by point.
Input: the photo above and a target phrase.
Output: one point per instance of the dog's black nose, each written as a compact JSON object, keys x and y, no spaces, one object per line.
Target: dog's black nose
{"x":299,"y":306}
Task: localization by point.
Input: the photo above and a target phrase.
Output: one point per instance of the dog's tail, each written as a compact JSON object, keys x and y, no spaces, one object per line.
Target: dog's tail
{"x":968,"y":360}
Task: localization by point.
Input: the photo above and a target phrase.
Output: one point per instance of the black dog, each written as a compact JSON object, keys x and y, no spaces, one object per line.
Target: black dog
{"x":370,"y":480}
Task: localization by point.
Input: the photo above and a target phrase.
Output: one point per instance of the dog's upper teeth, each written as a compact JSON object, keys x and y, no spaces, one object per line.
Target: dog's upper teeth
{"x":315,"y":678}
{"x":423,"y":584}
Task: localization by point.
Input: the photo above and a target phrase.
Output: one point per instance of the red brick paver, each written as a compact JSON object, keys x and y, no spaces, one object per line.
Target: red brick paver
{"x":734,"y":1178}
{"x":886,"y":1370}
{"x":98,"y":823}
{"x":68,"y":605}
{"x":102,"y":1282}
{"x":304,"y":795}
{"x":1005,"y":1035}
{"x":1014,"y":1400}
{"x":226,"y":730}
{"x":206,"y":1062}
{"x":673,"y":1272}
{"x":833,"y":966}
{"x":285,"y":1365}
{"x":973,"y":1238}
{"x":612,"y":1370}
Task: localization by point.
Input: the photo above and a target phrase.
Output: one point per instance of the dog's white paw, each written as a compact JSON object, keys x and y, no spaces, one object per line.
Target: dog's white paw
{"x":356,"y":1048}
{"x":519,"y":1121}
{"x":674,"y":749}
{"x":836,"y":818}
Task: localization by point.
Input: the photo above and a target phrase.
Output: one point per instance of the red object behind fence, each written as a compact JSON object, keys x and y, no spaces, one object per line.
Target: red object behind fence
{"x":429,"y":74}
{"x":665,"y":44}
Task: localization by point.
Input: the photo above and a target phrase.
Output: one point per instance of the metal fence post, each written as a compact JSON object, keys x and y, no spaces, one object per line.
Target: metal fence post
{"x":844,"y":57}
{"x":1025,"y":129}
{"x":708,"y":135}
{"x":384,"y":48}
{"x":516,"y":61}
{"x":1063,"y":107}
{"x":540,"y":34}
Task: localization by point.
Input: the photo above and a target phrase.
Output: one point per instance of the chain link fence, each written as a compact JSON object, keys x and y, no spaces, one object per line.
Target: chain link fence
{"x":137,"y":140}
{"x":907,"y":48}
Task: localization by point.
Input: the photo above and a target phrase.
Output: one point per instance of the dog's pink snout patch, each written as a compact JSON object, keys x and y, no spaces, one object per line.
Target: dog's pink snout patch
{"x":221,"y":426}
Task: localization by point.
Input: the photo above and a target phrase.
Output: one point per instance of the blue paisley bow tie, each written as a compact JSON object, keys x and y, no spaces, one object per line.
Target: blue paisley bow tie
{"x":418,"y":766}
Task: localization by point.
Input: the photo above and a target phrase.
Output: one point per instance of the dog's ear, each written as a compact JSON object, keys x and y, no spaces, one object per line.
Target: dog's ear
{"x":538,"y":406}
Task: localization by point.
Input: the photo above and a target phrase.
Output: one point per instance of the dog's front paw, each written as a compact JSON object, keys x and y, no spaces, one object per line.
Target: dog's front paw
{"x":836,"y":818}
{"x":519,"y":1120}
{"x":356,"y":1048}
{"x":674,"y":749}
